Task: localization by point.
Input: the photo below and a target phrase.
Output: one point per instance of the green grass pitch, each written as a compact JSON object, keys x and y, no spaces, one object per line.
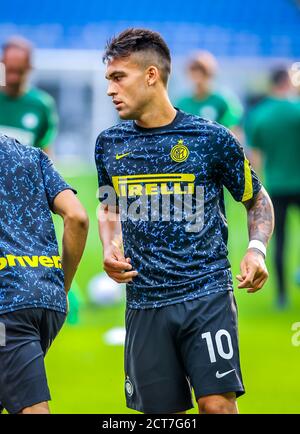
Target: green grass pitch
{"x":86,"y":375}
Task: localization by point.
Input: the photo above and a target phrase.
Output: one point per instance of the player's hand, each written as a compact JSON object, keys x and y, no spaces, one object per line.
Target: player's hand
{"x":254,"y":273}
{"x":117,"y":266}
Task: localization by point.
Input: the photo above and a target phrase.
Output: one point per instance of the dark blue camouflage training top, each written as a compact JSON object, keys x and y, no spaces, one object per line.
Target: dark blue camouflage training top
{"x":31,"y":274}
{"x":169,"y":184}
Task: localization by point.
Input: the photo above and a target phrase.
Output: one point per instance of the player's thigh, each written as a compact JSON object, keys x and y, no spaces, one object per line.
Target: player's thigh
{"x":155,"y":380}
{"x":296,"y":199}
{"x":23,"y":380}
{"x":209,"y":345}
{"x":281,"y":204}
{"x":51,"y":324}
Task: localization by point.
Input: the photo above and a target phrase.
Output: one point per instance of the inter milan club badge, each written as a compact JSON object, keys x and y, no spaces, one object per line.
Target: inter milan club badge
{"x":128,"y":387}
{"x":179,"y":152}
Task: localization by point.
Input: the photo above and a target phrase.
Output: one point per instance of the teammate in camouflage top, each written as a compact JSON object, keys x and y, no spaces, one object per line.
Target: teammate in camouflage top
{"x":34,"y":280}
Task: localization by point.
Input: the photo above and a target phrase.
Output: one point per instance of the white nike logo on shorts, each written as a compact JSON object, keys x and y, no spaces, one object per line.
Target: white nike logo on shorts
{"x":218,"y":375}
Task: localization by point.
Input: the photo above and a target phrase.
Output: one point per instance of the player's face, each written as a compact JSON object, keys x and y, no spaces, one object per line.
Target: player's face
{"x":128,"y":87}
{"x":199,"y":77}
{"x":16,"y":67}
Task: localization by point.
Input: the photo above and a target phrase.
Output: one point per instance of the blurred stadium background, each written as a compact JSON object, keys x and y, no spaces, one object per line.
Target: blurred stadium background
{"x":85,"y":370}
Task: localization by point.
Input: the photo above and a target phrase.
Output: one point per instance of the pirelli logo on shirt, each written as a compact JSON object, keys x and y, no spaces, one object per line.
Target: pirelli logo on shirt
{"x":30,"y":261}
{"x":154,"y":184}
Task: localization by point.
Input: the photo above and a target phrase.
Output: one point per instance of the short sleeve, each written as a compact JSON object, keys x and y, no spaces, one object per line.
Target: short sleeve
{"x":252,"y":131}
{"x":49,"y":130}
{"x":103,"y":177}
{"x":106,"y":191}
{"x":232,"y":114}
{"x":53,"y":181}
{"x":234,"y":169}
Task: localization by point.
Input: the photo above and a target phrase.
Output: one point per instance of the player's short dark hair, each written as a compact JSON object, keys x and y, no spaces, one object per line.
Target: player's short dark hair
{"x":138,"y":41}
{"x":19,"y":43}
{"x":279,"y":75}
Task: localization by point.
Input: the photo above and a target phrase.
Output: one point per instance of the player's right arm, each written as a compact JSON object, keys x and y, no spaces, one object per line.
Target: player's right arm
{"x":254,"y":142}
{"x":50,"y":124}
{"x":62,"y":200}
{"x":115,"y":264}
{"x":76,"y":224}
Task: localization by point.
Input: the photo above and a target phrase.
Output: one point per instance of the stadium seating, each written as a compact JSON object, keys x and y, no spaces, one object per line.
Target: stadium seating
{"x":268,"y":28}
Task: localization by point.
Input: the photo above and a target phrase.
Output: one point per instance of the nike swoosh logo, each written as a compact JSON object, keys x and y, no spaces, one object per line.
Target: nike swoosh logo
{"x":119,"y":156}
{"x":218,"y":375}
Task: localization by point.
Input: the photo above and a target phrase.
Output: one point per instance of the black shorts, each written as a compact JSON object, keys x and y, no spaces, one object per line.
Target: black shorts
{"x":28,"y":336}
{"x":184,"y":346}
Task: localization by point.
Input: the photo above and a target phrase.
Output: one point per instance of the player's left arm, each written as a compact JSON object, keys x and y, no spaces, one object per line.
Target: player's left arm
{"x":50,"y":127}
{"x":232,"y":115}
{"x":254,"y":141}
{"x":254,"y":273}
{"x":237,"y":175}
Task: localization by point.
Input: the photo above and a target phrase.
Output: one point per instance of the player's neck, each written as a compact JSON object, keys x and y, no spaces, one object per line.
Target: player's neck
{"x":280,"y":93}
{"x":160,"y":113}
{"x":14,"y":91}
{"x":202,"y":92}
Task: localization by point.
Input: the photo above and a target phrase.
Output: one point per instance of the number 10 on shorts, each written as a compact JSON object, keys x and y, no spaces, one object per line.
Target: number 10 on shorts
{"x":219,"y":345}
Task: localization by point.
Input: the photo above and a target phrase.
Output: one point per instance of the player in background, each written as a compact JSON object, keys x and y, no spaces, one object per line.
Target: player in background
{"x":28,"y":114}
{"x":34,"y":280}
{"x":181,"y":322}
{"x":273,"y":134}
{"x":205,"y":101}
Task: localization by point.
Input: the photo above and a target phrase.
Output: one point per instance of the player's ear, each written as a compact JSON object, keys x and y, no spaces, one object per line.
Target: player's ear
{"x":152,"y":75}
